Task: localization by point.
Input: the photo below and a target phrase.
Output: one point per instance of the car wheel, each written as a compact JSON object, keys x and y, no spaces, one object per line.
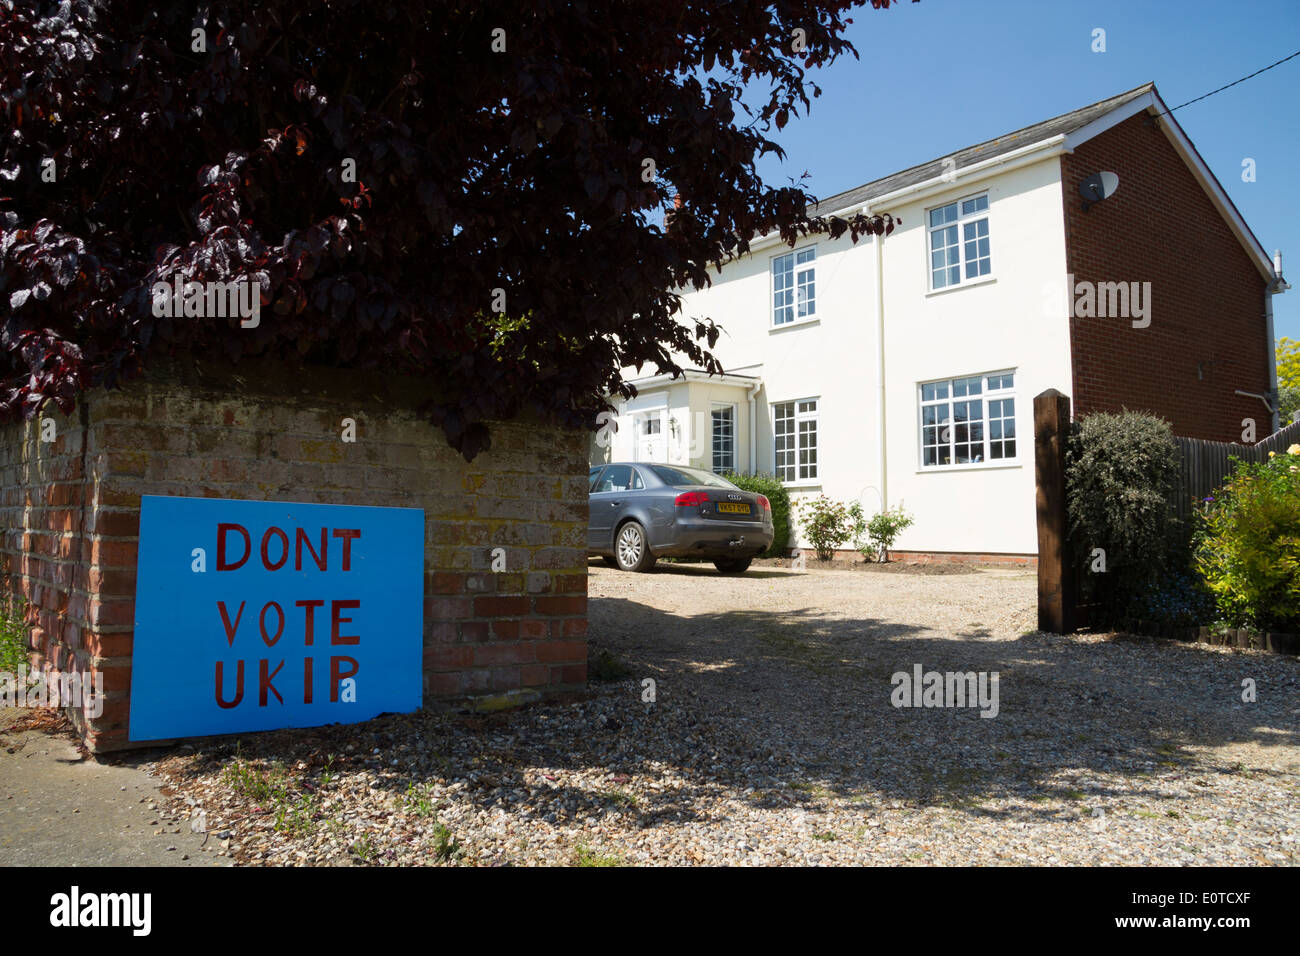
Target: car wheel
{"x":732,"y":565}
{"x":630,"y":549}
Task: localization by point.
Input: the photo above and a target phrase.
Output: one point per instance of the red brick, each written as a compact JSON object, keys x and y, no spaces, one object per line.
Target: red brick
{"x":118,"y":524}
{"x":97,"y":644}
{"x":447,"y":608}
{"x":448,"y":657}
{"x":115,"y":678}
{"x":504,"y":678}
{"x":501,"y":606}
{"x":570,"y":673}
{"x":561,"y":650}
{"x":534,"y":675}
{"x":1162,"y":228}
{"x":533,"y":629}
{"x":574,"y":627}
{"x":112,"y":581}
{"x":116,"y":554}
{"x":488,"y":655}
{"x":111,"y":613}
{"x":442,"y":685}
{"x":443,"y":632}
{"x":505,"y":630}
{"x":446,"y":583}
{"x":571,"y":583}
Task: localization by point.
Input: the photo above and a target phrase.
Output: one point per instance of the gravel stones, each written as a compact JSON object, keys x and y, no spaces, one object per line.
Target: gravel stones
{"x":772,"y":740}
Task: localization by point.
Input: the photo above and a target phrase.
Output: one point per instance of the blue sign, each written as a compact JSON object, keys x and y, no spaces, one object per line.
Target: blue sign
{"x":254,"y":615}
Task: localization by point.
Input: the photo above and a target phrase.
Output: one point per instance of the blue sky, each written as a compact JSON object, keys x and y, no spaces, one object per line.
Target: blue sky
{"x":939,"y":75}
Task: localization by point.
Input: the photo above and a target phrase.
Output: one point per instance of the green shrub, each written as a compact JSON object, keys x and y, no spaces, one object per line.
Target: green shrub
{"x":1288,"y":403}
{"x":13,"y":634}
{"x":882,"y":531}
{"x":827,"y":524}
{"x":770,"y":487}
{"x":1121,"y":474}
{"x":1248,"y":544}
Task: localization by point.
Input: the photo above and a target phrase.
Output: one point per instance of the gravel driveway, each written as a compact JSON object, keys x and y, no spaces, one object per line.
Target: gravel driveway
{"x":772,"y":739}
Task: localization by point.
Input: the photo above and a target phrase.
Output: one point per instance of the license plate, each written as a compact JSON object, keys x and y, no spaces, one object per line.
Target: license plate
{"x":731,"y":508}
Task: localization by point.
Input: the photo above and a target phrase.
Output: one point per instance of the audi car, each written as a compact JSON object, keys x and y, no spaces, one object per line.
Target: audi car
{"x":643,"y":512}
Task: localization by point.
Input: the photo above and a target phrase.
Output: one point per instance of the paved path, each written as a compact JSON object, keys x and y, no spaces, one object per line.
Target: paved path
{"x":58,"y":808}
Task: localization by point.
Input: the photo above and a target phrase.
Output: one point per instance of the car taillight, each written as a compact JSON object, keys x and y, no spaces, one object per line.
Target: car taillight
{"x":689,"y":499}
{"x":767,"y":505}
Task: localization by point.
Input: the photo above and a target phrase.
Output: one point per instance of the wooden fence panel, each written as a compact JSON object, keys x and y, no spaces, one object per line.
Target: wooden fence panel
{"x":1207,"y":464}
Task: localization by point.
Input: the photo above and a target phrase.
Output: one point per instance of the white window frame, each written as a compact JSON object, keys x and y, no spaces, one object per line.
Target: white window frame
{"x":713,"y":437}
{"x":986,"y":394}
{"x":800,"y":269}
{"x":985,"y":214}
{"x":800,"y":415}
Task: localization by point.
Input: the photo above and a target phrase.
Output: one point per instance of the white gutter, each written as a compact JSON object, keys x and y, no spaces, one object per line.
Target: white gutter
{"x":1276,"y":287}
{"x":753,"y":428}
{"x":1006,"y":162}
{"x":692,"y":375}
{"x":881,"y":454}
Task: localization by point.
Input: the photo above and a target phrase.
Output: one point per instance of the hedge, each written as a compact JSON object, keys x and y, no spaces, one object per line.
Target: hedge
{"x":770,"y":487}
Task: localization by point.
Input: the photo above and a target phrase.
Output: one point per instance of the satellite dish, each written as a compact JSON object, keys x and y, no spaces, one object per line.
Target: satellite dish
{"x":1097,"y":187}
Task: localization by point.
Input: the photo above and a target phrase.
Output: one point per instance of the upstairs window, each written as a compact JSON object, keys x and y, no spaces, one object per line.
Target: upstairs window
{"x":794,"y":286}
{"x":959,"y":242}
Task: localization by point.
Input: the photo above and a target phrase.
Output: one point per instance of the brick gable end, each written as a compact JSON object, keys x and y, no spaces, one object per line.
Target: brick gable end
{"x":1208,"y":335}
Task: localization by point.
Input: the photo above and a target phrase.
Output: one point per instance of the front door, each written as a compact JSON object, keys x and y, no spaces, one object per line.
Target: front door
{"x":650,"y":437}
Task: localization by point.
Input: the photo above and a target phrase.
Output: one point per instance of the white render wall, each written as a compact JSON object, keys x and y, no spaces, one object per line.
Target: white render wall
{"x":999,"y":325}
{"x":994,"y":326}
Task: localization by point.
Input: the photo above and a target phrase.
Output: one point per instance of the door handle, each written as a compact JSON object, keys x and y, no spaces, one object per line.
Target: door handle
{"x":615,"y":504}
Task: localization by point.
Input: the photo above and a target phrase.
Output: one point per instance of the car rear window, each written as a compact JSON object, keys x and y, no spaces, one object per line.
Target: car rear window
{"x":689,"y":476}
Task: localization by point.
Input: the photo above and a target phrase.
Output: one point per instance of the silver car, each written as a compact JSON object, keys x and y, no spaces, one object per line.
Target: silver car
{"x":642,"y":512}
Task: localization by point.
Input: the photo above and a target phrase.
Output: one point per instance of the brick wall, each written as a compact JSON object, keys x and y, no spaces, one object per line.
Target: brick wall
{"x":69,"y":510}
{"x":1207,"y":335}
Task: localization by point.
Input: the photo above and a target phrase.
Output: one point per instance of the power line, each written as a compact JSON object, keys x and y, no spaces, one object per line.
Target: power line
{"x":1232,"y":84}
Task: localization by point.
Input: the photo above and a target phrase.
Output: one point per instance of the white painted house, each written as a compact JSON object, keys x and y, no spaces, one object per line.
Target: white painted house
{"x":900,"y":370}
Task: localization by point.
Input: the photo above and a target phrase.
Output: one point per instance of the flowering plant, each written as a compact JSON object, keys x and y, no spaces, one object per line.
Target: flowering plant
{"x":1248,"y":545}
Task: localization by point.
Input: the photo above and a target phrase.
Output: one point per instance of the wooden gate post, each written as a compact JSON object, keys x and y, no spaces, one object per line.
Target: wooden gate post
{"x":1056,"y":590}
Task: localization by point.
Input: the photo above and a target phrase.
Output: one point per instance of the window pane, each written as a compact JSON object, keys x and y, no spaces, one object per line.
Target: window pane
{"x":1002,"y":426}
{"x":724,"y":439}
{"x":616,"y":478}
{"x":943,"y":214}
{"x":807,"y":293}
{"x":783,"y":289}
